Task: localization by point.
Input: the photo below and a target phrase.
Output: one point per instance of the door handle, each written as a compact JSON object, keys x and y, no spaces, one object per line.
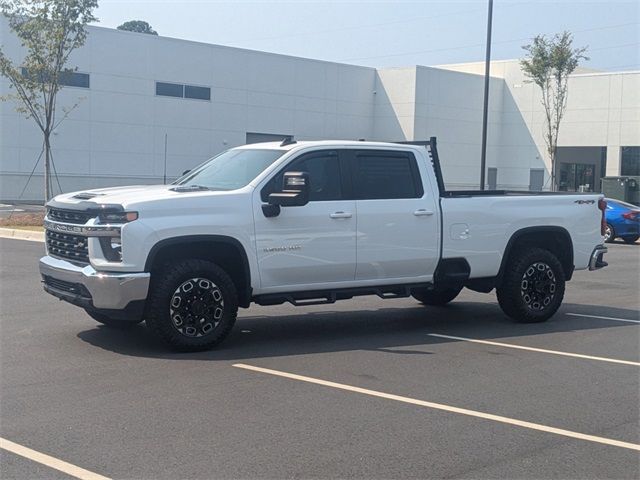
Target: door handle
{"x":422,"y":212}
{"x":340,"y":215}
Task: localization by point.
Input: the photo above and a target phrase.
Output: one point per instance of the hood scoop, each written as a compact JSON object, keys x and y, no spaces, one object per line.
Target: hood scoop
{"x":86,"y":195}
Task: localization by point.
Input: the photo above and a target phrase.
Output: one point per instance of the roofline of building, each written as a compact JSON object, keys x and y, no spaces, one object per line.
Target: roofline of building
{"x":217,"y":45}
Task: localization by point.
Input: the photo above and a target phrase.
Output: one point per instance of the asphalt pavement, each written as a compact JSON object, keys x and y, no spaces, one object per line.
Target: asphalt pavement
{"x":359,"y":389}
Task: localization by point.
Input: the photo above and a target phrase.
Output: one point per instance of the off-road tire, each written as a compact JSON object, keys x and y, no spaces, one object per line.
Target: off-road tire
{"x":168,"y":283}
{"x":115,"y":323}
{"x":610,"y":234}
{"x":512,"y":295}
{"x":436,"y":297}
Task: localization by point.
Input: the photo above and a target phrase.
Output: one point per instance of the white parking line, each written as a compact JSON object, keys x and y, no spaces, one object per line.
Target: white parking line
{"x":533,"y":349}
{"x":446,"y":408}
{"x":49,"y":461}
{"x":603,"y":318}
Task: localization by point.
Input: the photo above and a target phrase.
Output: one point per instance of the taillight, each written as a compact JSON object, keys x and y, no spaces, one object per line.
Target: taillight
{"x":602,"y":205}
{"x":632,"y":215}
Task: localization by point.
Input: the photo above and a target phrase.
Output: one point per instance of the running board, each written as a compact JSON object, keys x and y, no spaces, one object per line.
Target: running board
{"x":323,"y":297}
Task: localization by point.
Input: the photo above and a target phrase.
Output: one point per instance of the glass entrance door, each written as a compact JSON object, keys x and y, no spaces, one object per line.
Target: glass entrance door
{"x":576,"y":177}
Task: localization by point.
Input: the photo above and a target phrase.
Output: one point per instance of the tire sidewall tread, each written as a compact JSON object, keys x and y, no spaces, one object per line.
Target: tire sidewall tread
{"x":168,"y":278}
{"x":508,"y":293}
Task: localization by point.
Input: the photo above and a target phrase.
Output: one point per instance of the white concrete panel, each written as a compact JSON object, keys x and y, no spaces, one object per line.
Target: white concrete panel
{"x":226,"y":116}
{"x":119,"y":138}
{"x":121,"y":163}
{"x":181,"y":112}
{"x":270,"y":73}
{"x":269,"y":120}
{"x":122,"y":53}
{"x":229,"y":67}
{"x":120,"y":108}
{"x":9,"y":160}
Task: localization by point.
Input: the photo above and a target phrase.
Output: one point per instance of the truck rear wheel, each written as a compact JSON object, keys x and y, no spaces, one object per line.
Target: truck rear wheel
{"x":533,"y":286}
{"x":436,"y":297}
{"x":192,"y":305}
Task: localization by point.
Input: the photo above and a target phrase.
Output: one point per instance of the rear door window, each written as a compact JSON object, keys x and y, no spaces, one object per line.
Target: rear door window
{"x":378,"y":174}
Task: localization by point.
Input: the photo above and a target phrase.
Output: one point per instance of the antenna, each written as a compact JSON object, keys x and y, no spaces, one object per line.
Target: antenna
{"x":287,"y":141}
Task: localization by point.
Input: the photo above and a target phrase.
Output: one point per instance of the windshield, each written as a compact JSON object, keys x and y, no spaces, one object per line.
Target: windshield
{"x":230,"y":170}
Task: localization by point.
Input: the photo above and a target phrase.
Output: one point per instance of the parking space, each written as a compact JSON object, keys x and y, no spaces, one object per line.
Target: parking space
{"x":415,"y":398}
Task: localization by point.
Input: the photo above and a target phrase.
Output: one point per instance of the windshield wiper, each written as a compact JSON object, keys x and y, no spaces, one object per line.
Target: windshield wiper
{"x":189,"y":188}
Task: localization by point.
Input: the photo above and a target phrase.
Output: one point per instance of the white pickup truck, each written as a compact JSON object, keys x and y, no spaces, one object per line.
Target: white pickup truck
{"x":309,"y":223}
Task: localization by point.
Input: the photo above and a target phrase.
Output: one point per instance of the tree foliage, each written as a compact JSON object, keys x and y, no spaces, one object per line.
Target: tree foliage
{"x":138,"y":26}
{"x":49,"y":30}
{"x":548,"y":64}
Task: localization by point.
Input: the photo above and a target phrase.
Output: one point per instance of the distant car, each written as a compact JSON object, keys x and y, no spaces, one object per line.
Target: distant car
{"x":623,"y":221}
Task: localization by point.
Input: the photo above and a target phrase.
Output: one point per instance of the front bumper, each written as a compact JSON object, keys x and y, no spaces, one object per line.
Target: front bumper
{"x":85,"y":287}
{"x":596,"y":262}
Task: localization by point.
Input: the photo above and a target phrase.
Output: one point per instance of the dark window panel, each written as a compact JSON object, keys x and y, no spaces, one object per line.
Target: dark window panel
{"x":169,"y":89}
{"x":200,"y":93}
{"x":630,"y":161}
{"x":379,"y":176}
{"x":74,"y":79}
{"x":325,"y":179}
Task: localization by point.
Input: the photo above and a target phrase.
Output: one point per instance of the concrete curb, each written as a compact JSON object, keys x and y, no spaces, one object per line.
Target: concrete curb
{"x":18,"y":234}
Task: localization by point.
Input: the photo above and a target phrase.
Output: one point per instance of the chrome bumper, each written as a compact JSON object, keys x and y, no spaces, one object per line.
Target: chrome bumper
{"x":112,"y":291}
{"x":596,"y":262}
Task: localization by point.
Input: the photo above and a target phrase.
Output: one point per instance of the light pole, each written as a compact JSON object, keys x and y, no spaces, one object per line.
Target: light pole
{"x":485,"y":110}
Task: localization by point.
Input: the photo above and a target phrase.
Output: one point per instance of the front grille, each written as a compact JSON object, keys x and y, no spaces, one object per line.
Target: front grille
{"x":69,"y":216}
{"x":64,"y":286}
{"x":68,"y":247}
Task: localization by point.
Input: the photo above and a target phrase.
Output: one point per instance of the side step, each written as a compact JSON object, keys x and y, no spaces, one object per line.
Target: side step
{"x":322,"y":297}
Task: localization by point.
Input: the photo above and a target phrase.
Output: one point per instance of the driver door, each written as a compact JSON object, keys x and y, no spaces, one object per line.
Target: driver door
{"x":310,"y":246}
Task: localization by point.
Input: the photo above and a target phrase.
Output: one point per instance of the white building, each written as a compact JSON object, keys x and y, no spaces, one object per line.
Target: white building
{"x":135,"y":91}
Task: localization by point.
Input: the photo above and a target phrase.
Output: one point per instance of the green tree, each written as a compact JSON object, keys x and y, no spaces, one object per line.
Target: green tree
{"x":548,"y":64}
{"x":138,"y":26}
{"x":49,"y":30}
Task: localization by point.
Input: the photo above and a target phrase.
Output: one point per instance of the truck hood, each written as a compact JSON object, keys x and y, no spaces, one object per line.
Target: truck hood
{"x":129,"y":196}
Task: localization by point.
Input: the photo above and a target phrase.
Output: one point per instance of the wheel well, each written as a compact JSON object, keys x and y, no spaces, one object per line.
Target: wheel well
{"x":555,"y":239}
{"x":225,"y":252}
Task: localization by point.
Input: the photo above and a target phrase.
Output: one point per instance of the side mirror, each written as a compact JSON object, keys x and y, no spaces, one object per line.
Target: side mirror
{"x":295,"y":193}
{"x":295,"y":190}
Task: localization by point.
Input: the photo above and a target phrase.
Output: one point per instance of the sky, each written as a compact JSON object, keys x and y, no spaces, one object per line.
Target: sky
{"x":393,"y":33}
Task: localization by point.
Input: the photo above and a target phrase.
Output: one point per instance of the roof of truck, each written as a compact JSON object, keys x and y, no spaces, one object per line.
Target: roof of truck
{"x":327,"y":143}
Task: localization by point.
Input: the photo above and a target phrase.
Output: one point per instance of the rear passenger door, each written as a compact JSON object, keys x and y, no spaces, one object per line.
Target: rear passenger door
{"x":398,"y":227}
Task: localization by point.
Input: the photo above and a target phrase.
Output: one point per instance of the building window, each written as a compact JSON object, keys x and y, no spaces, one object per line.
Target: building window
{"x":180,"y":90}
{"x":68,"y":79}
{"x":630,"y":161}
{"x":199,"y":93}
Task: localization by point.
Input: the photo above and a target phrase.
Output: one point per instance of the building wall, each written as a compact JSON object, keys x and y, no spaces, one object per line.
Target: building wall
{"x":117,"y":133}
{"x":603,"y":110}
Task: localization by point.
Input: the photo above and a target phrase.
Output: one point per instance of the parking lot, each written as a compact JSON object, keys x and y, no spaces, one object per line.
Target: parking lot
{"x":366,"y":388}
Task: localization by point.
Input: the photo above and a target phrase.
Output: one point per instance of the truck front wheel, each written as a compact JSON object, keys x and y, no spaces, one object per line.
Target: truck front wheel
{"x":436,"y":297}
{"x":192,"y":305}
{"x":532,"y":288}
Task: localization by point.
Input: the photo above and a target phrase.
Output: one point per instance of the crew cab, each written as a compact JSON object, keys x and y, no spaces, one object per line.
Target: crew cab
{"x":310,"y":223}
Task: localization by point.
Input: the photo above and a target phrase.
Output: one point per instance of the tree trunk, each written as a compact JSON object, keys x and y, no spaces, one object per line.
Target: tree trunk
{"x":47,"y":173}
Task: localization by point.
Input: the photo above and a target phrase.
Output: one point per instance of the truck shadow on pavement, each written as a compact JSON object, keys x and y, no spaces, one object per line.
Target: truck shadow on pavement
{"x":381,"y":329}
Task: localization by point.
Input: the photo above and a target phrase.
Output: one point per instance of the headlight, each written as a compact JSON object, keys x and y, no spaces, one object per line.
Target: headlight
{"x":118,"y":217}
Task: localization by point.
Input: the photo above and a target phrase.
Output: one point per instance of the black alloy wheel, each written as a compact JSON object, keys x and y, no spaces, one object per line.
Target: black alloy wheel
{"x":538,"y":286}
{"x":196,"y":307}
